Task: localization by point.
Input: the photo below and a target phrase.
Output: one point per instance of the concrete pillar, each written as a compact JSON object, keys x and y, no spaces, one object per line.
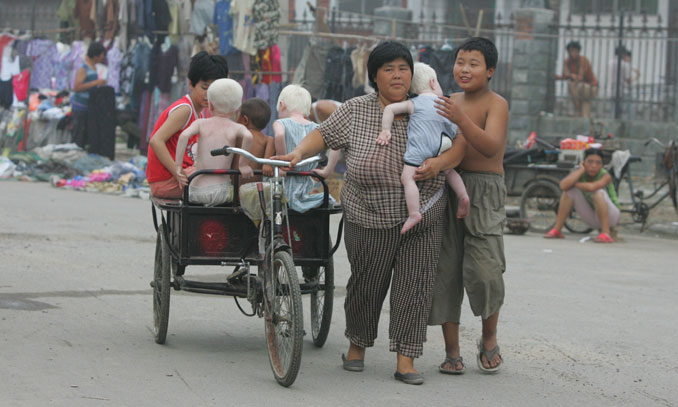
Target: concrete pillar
{"x":530,"y":76}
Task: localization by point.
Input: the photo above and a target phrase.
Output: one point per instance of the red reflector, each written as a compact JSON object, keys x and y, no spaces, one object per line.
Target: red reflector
{"x":213,"y":237}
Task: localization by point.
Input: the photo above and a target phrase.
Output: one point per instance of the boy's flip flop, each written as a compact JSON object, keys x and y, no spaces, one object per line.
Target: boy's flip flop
{"x":489,"y":355}
{"x":453,"y":362}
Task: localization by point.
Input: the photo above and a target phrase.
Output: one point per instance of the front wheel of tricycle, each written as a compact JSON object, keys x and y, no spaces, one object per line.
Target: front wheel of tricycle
{"x":284,"y":318}
{"x":321,"y":301}
{"x":161,"y":287}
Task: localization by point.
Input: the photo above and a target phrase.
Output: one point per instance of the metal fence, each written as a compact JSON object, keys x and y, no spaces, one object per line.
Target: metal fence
{"x":647,"y":86}
{"x":651,"y":93}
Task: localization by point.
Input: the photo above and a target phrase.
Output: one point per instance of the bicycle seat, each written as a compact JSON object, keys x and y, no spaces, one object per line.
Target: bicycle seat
{"x":635,"y":159}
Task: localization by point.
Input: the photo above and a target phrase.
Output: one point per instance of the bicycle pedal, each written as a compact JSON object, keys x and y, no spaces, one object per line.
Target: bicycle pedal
{"x":239,"y":272}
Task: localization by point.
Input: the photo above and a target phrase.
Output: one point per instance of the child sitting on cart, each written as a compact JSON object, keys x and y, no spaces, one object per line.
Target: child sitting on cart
{"x":428,"y":134}
{"x":294,"y":105}
{"x":224,"y":97}
{"x":255,"y":115}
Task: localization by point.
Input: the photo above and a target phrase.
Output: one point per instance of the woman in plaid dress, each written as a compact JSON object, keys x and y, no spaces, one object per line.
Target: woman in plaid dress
{"x":374,"y":207}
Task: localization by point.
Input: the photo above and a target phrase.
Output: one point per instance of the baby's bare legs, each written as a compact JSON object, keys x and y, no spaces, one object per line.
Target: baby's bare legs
{"x":411,"y":197}
{"x":457,"y":184}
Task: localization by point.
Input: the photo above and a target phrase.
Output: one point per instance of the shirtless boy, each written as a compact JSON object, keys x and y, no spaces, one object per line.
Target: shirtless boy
{"x":224,"y":97}
{"x":472,"y":252}
{"x":255,"y":114}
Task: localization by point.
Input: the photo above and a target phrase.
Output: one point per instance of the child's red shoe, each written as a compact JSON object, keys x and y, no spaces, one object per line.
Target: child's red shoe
{"x":603,"y":238}
{"x":554,"y":234}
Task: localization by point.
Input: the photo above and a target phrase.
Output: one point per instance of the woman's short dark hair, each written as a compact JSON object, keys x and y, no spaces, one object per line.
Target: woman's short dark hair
{"x":573,"y":44}
{"x":593,"y":151}
{"x":95,"y":49}
{"x":206,"y":67}
{"x":484,"y":46}
{"x":384,"y":53}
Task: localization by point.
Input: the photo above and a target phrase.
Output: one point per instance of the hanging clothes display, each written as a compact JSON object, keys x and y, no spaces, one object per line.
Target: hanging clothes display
{"x":265,"y":15}
{"x":243,"y":26}
{"x":167,"y":62}
{"x":224,"y":22}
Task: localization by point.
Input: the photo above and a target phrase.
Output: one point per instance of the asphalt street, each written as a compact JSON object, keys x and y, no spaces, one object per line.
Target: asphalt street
{"x":583,"y":323}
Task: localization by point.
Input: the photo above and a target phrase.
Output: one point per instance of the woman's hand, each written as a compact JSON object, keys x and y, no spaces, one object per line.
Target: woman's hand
{"x":100,"y":82}
{"x":428,"y":170}
{"x":294,"y":157}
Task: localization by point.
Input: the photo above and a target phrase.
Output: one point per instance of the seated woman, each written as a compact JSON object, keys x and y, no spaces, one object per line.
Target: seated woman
{"x":590,"y":191}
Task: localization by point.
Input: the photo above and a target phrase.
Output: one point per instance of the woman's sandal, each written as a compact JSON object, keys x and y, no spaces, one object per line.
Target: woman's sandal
{"x":453,"y":362}
{"x":603,"y":238}
{"x":489,"y":355}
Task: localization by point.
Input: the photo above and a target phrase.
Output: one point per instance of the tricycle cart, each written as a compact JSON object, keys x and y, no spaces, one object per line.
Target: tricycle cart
{"x":190,"y":234}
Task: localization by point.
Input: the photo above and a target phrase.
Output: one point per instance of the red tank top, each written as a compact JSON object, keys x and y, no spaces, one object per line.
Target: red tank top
{"x":155,"y":171}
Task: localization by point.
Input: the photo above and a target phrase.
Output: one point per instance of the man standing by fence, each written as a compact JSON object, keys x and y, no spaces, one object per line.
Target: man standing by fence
{"x":583,"y":82}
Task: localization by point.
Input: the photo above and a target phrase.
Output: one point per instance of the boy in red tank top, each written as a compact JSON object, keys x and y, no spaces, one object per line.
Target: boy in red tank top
{"x":160,"y":170}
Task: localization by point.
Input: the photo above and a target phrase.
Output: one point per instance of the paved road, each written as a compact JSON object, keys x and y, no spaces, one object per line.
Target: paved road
{"x":583,"y":324}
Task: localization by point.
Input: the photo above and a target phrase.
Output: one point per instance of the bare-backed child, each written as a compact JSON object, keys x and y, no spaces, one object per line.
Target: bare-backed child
{"x":428,"y":134}
{"x":255,"y":114}
{"x":472,"y":251}
{"x":224,"y":97}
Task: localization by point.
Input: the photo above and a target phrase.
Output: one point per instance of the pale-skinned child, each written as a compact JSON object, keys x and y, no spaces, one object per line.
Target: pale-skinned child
{"x":294,"y":105}
{"x":428,"y":134}
{"x":224,"y":97}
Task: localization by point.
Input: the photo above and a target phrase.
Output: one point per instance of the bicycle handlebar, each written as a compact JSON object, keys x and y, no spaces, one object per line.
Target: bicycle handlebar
{"x":275,"y":163}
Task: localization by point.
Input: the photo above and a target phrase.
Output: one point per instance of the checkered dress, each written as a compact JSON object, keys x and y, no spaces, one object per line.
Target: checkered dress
{"x":373,"y":195}
{"x":374,"y":205}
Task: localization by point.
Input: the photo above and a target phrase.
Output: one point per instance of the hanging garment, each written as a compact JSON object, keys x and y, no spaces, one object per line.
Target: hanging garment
{"x":83,"y":9}
{"x":6,"y":94}
{"x":62,"y":67}
{"x":20,"y":85}
{"x":243,"y":26}
{"x":224,"y":22}
{"x":266,"y":15}
{"x":42,"y":53}
{"x":167,"y":61}
{"x":114,"y":58}
{"x":101,"y":121}
{"x":338,"y":75}
{"x":127,"y":73}
{"x":203,"y":15}
{"x":315,"y":69}
{"x":110,"y":26}
{"x":75,"y":60}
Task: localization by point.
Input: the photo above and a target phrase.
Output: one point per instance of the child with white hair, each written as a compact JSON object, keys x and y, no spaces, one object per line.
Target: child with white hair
{"x":294,"y":105}
{"x":224,"y":97}
{"x":428,"y":134}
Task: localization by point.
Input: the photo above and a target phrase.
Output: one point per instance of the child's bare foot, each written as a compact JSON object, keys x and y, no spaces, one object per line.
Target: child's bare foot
{"x":412,"y":220}
{"x":463,"y":207}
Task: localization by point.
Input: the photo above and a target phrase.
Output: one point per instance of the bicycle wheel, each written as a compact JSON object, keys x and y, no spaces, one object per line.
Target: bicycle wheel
{"x":575,"y":224}
{"x":161,"y":287}
{"x":539,"y":205}
{"x":322,"y":301}
{"x":284,"y":318}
